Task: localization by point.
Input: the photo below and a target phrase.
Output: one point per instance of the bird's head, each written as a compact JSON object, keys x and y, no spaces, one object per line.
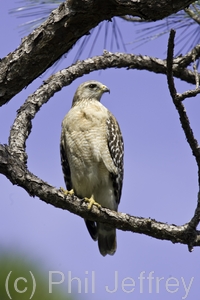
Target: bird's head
{"x":89,"y":90}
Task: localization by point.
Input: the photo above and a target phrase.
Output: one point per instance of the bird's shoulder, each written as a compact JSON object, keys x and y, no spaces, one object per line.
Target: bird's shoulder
{"x":92,"y":111}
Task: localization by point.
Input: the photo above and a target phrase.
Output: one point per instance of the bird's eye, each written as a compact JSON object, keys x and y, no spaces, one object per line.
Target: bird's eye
{"x":92,"y":85}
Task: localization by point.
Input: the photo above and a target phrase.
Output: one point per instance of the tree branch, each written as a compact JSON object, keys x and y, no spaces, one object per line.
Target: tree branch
{"x":193,"y":14}
{"x":177,"y":98}
{"x":16,"y":172}
{"x":188,"y":58}
{"x":64,"y":27}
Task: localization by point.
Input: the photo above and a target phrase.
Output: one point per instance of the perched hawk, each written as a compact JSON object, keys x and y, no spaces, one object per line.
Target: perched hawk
{"x":92,"y":157}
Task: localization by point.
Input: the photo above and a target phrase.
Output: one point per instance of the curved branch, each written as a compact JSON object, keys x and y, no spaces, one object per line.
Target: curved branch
{"x":13,"y":158}
{"x":64,"y":27}
{"x":63,"y":78}
{"x":15,"y":171}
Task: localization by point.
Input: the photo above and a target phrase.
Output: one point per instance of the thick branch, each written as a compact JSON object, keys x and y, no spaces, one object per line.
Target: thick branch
{"x":72,"y":20}
{"x":15,"y":171}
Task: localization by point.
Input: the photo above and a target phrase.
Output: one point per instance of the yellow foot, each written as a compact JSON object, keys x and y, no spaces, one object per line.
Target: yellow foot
{"x":91,"y":202}
{"x":66,"y":192}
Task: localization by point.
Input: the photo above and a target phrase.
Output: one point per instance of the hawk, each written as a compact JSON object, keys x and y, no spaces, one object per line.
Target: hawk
{"x":92,"y":153}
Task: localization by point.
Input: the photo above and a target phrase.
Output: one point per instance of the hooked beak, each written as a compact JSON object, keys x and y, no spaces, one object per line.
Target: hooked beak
{"x":105,"y":89}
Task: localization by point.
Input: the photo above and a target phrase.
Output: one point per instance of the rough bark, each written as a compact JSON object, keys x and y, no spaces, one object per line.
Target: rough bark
{"x":64,"y":27}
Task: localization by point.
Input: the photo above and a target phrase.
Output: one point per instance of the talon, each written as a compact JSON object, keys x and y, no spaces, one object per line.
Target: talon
{"x":91,"y":202}
{"x":66,"y":192}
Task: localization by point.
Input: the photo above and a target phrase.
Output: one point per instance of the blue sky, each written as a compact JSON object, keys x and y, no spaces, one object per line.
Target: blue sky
{"x":160,"y":182}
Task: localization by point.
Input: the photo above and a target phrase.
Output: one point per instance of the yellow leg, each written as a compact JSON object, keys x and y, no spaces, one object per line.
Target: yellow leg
{"x":66,"y":192}
{"x":91,"y":202}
